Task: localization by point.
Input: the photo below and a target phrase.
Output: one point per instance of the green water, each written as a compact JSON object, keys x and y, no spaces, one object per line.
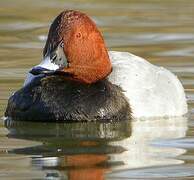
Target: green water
{"x":160,"y":31}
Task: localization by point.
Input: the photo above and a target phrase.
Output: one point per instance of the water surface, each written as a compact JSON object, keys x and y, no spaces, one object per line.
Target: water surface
{"x":160,"y":31}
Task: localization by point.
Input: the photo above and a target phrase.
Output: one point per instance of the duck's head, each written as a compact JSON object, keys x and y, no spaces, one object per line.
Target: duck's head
{"x":75,"y":49}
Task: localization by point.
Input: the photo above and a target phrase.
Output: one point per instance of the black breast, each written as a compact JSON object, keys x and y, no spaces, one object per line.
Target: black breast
{"x":56,"y":99}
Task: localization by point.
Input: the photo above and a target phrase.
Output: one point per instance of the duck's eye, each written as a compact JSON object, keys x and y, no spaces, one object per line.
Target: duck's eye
{"x":78,"y":35}
{"x":62,"y":44}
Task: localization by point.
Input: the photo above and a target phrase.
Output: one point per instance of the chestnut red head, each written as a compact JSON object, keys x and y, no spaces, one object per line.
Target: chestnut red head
{"x":76,"y":48}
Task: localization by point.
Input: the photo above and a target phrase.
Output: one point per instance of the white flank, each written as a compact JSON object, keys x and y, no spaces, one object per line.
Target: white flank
{"x":152,"y":91}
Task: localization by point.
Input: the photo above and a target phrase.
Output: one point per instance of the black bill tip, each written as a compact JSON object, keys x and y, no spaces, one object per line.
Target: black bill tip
{"x":40,"y":70}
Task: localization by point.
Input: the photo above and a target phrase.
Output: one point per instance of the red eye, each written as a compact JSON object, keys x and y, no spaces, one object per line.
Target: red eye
{"x":78,"y":35}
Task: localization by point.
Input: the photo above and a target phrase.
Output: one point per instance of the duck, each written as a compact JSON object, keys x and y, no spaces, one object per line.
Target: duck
{"x":80,"y":80}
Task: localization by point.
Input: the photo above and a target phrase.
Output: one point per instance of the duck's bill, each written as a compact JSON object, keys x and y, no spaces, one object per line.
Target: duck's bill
{"x":45,"y":67}
{"x":52,"y":63}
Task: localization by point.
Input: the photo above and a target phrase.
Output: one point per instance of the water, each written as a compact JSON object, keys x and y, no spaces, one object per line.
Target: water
{"x":161,"y":31}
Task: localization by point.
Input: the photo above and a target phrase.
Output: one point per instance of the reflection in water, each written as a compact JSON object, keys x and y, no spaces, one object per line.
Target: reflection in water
{"x":140,"y":151}
{"x":76,"y":150}
{"x":93,"y":150}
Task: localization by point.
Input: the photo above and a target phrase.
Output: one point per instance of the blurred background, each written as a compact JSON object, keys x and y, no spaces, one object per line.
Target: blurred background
{"x":160,"y":31}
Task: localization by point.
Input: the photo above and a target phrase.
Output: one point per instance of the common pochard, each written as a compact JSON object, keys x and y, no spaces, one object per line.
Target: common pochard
{"x":79,"y":80}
